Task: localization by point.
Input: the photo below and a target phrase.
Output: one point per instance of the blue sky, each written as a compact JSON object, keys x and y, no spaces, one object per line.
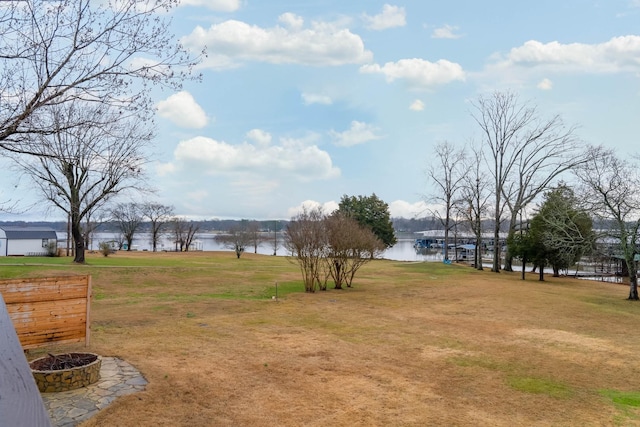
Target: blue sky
{"x":305,"y":101}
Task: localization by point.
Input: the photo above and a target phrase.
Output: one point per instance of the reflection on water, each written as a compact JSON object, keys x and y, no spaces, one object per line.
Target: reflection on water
{"x":403,"y":250}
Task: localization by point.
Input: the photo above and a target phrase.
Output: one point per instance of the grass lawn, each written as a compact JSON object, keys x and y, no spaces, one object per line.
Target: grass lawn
{"x":411,"y":344}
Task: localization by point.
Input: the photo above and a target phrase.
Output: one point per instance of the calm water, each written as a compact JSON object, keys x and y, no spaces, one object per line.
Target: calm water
{"x":402,"y":251}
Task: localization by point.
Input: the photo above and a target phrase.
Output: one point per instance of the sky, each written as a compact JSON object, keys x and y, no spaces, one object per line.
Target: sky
{"x":302,"y":102}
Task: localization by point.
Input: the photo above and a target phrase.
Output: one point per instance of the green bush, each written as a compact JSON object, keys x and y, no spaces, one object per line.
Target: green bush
{"x":105,"y":248}
{"x":52,"y":249}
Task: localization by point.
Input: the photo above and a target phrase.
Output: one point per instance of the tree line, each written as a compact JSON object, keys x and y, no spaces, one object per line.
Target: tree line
{"x":126,"y":220}
{"x":520,"y":158}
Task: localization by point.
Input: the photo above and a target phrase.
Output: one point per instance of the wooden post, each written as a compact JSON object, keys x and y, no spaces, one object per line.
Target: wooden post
{"x":20,"y":401}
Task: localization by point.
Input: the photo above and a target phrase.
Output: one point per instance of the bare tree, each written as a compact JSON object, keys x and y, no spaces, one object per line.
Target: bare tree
{"x":58,"y":53}
{"x":275,"y":244}
{"x":184,"y":232}
{"x":191,"y":229}
{"x":92,"y":221}
{"x":79,"y":168}
{"x":447,"y":174}
{"x":256,"y":237}
{"x":611,"y":189}
{"x":128,"y":216}
{"x":333,"y":246}
{"x":238,"y":238}
{"x":158,"y":216}
{"x":178,"y":230}
{"x":475,"y":200}
{"x":306,"y":242}
{"x":349,"y":246}
{"x":119,"y":241}
{"x":524,"y":153}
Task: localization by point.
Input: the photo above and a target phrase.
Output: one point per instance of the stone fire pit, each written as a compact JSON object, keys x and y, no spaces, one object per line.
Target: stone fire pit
{"x":67,"y":371}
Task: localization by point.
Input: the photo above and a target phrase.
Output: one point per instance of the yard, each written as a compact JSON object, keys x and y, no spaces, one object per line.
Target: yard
{"x":411,"y":344}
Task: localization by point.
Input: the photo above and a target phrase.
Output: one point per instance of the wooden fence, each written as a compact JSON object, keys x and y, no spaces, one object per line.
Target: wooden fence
{"x":49,"y":310}
{"x":20,"y":401}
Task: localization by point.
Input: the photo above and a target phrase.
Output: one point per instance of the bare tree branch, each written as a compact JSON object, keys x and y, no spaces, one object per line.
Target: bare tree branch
{"x":447,"y":174}
{"x":79,"y":169}
{"x":158,"y":216}
{"x":524,"y":154}
{"x":475,"y":199}
{"x":56,"y":53}
{"x":611,"y":189}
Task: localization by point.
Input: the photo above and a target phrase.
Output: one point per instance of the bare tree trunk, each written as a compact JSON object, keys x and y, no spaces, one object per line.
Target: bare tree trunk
{"x":479,"y":254}
{"x":78,"y":239}
{"x":633,"y":289}
{"x":508,"y":257}
{"x":496,"y":242}
{"x":190,"y":235}
{"x":129,"y":242}
{"x":338,"y":275}
{"x":445,"y":248}
{"x":633,"y":281}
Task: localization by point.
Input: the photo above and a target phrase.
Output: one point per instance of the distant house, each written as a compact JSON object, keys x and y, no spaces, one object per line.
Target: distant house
{"x":26,"y":241}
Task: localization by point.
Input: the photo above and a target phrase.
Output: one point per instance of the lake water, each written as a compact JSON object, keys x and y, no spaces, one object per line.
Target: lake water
{"x":401,"y":251}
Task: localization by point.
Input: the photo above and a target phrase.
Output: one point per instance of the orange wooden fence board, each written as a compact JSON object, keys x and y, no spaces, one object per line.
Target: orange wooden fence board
{"x":44,"y":289}
{"x":50,"y":309}
{"x":20,"y":401}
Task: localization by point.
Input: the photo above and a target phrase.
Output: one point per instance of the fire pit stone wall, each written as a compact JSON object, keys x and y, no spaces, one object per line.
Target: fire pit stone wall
{"x":56,"y":380}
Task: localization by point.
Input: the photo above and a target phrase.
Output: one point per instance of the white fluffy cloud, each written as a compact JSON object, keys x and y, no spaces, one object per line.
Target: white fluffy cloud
{"x":616,"y":55}
{"x":418,"y":73}
{"x":445,"y":32}
{"x":358,"y":133}
{"x":417,"y":105}
{"x":291,"y":20}
{"x":232,"y":42}
{"x":401,"y":208}
{"x":290,"y":159}
{"x":327,"y":207}
{"x":390,"y":17}
{"x":217,"y":5}
{"x":183,"y":110}
{"x":545,"y":84}
{"x":260,"y":137}
{"x":315,"y":98}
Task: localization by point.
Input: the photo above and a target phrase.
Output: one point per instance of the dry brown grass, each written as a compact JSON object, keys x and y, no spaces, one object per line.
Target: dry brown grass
{"x":410,"y":345}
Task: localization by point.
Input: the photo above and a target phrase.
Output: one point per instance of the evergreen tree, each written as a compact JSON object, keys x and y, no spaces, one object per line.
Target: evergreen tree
{"x":564,"y":228}
{"x":372,"y":213}
{"x":559,"y":234}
